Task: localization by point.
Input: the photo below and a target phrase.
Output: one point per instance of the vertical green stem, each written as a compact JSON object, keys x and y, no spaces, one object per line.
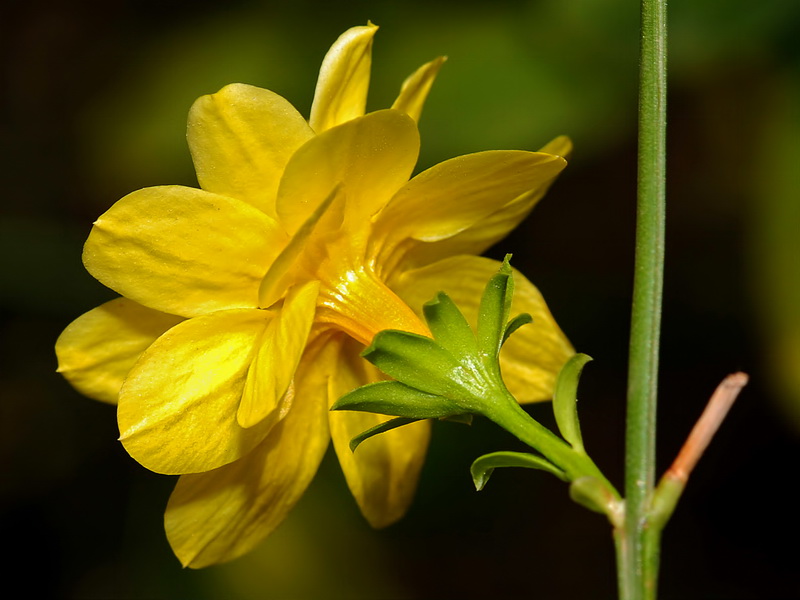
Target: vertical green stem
{"x":638,"y":568}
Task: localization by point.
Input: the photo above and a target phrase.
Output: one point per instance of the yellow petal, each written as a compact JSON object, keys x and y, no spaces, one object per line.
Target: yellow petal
{"x":371,"y":157}
{"x":177,"y":408}
{"x":183,"y":251}
{"x":241,"y":139}
{"x":533,"y":355}
{"x":97,"y":350}
{"x":489,"y":230}
{"x":480,"y":237}
{"x":460,"y":193}
{"x":416,"y":87}
{"x":282,"y":345}
{"x":288,"y":265}
{"x":360,"y":304}
{"x":383,"y":472}
{"x":560,"y":146}
{"x":217,"y":516}
{"x":476,"y":239}
{"x":343,"y":82}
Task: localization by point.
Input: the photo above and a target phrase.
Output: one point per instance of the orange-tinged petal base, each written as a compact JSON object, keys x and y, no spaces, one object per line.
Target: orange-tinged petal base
{"x":357,"y":302}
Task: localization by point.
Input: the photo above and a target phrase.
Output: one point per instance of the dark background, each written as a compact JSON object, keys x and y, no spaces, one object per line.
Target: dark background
{"x":94,"y":101}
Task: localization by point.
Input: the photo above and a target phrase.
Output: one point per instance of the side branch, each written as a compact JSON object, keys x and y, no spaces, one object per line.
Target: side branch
{"x":673,"y":482}
{"x":718,"y":406}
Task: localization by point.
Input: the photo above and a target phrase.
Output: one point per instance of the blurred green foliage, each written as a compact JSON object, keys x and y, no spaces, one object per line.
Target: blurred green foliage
{"x":95,"y":97}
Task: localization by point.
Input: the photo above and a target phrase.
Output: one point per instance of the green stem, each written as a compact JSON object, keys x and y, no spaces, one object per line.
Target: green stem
{"x":639,"y":560}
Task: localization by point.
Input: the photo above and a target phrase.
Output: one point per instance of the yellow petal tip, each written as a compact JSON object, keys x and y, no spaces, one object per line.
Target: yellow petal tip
{"x":560,"y":146}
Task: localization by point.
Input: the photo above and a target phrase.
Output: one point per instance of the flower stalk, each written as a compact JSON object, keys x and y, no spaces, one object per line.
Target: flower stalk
{"x":574,"y":463}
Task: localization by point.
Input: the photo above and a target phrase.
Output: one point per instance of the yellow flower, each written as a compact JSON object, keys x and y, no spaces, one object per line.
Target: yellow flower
{"x":245,"y":303}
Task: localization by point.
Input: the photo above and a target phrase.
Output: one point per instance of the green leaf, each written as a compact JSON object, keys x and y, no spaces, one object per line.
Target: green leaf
{"x":514,"y":324}
{"x":397,"y":399}
{"x":382,"y":428}
{"x":565,"y":401}
{"x":493,"y":311}
{"x":449,"y":327}
{"x":483,"y":466}
{"x":421,"y":363}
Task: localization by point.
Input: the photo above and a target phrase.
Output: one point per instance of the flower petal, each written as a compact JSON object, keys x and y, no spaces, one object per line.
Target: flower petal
{"x":301,"y":249}
{"x":177,"y":408}
{"x":360,"y":304}
{"x":371,"y":157}
{"x":217,"y":516}
{"x":241,"y":139}
{"x":283,"y":344}
{"x":343,"y":82}
{"x":460,"y":193}
{"x":490,"y":229}
{"x":416,"y":87}
{"x":98,"y":349}
{"x":183,"y":251}
{"x":533,"y":355}
{"x":479,"y":237}
{"x":383,"y":473}
{"x":561,"y":146}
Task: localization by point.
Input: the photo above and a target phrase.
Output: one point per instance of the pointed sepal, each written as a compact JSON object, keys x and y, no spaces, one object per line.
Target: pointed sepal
{"x":380,"y":428}
{"x":493,"y":311}
{"x":420,"y":363}
{"x":399,"y":400}
{"x":449,"y":326}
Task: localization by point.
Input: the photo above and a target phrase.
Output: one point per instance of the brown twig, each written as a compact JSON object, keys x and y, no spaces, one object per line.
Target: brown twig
{"x":718,"y":406}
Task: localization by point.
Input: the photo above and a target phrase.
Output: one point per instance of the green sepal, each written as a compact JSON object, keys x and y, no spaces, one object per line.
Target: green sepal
{"x":514,"y":324}
{"x":595,"y":495}
{"x":493,"y":311}
{"x":449,"y":327}
{"x":419,"y":362}
{"x":483,"y":466}
{"x":565,"y":400}
{"x":382,"y":428}
{"x":397,"y":399}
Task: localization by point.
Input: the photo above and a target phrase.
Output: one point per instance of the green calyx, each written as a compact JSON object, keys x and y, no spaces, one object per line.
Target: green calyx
{"x":457,"y":372}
